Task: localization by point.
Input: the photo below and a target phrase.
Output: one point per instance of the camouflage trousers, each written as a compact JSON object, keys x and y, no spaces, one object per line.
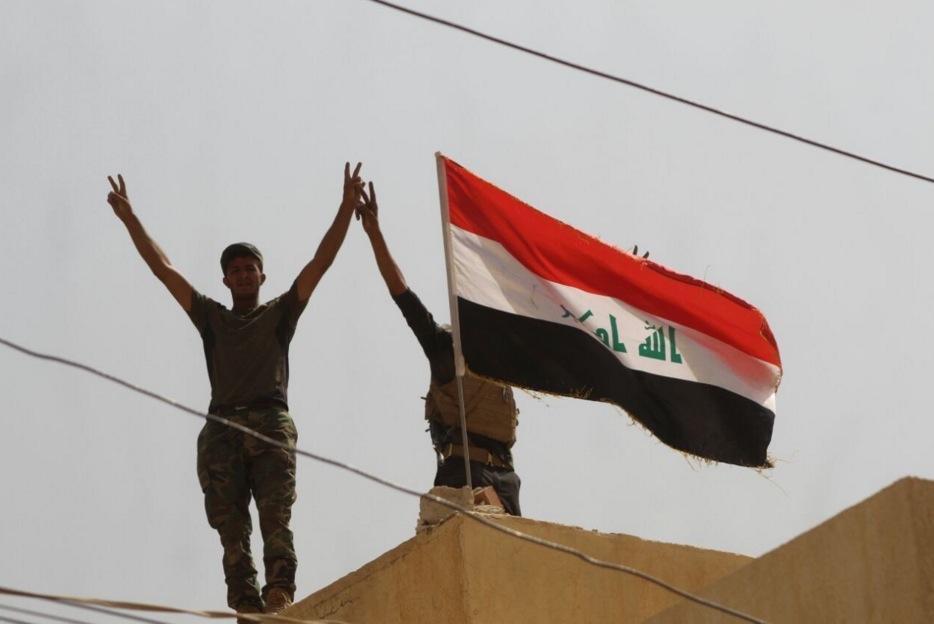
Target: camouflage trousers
{"x":232,"y":467}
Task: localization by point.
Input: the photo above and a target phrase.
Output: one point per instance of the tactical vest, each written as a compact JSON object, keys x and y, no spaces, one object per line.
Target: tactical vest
{"x":490,"y":408}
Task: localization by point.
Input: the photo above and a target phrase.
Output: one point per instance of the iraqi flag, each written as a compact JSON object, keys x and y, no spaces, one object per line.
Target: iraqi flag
{"x":543,"y":306}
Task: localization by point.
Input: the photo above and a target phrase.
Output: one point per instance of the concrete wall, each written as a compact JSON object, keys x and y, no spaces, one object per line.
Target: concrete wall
{"x":464,"y":573}
{"x":873,"y":562}
{"x":392,"y":588}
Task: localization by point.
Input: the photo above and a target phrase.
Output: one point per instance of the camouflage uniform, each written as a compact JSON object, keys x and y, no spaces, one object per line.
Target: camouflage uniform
{"x":247,"y":361}
{"x":231,"y":466}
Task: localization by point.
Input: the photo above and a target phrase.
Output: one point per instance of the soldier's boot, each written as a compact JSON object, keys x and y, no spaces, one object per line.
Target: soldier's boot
{"x":277,"y":600}
{"x":247,"y":607}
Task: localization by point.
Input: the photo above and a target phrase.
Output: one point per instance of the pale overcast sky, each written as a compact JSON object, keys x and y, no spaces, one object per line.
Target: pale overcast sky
{"x":232,"y":120}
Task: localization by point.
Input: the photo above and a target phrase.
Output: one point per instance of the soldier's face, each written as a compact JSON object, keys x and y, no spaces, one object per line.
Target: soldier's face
{"x":244,"y":276}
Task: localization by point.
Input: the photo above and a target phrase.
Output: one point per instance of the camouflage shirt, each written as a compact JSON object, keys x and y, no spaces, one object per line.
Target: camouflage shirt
{"x":247,"y":356}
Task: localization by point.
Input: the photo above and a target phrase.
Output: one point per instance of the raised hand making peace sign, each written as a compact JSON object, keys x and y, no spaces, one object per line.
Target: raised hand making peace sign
{"x":353,"y":186}
{"x":369,"y":210}
{"x":118,"y":198}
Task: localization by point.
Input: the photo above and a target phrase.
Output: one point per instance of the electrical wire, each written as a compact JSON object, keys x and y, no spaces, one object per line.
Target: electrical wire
{"x":652,"y":90}
{"x":392,"y":485}
{"x":79,"y":604}
{"x":48,"y":616}
{"x":110,"y":607}
{"x":87,"y":604}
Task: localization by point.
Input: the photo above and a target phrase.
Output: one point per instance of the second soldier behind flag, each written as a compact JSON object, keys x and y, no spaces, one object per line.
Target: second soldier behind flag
{"x":491,"y":412}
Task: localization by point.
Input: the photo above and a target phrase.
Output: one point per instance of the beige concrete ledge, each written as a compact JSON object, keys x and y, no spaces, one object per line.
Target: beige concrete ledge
{"x":464,"y":573}
{"x":873,"y":562}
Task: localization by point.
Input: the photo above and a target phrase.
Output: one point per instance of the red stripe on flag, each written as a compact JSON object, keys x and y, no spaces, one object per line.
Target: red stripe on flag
{"x":559,"y":253}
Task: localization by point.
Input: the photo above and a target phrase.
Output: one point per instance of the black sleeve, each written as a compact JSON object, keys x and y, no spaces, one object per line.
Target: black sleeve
{"x":435,"y":341}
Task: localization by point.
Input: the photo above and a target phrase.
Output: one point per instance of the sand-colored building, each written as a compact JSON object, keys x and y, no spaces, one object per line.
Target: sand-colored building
{"x":873,"y":562}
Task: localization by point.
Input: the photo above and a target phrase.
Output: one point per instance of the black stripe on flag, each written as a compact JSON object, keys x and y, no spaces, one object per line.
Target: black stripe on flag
{"x":694,"y":417}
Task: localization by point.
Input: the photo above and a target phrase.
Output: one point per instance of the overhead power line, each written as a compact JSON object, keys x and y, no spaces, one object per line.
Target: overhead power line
{"x":77,"y":603}
{"x":88,"y":604}
{"x":391,"y":485}
{"x":112,"y":607}
{"x":652,"y":90}
{"x":40,"y":614}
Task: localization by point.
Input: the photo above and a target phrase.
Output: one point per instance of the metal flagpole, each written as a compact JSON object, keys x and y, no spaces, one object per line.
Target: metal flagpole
{"x":459,"y":366}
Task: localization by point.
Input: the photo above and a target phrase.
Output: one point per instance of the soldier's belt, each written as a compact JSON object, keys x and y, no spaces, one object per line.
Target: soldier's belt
{"x":475,"y":453}
{"x":259,"y":404}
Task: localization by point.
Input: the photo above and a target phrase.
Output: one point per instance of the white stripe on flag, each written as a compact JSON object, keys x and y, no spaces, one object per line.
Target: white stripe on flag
{"x":487,"y":274}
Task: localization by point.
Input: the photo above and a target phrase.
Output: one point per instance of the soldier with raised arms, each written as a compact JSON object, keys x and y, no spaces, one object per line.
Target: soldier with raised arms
{"x":491,"y":412}
{"x":247,"y":353}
